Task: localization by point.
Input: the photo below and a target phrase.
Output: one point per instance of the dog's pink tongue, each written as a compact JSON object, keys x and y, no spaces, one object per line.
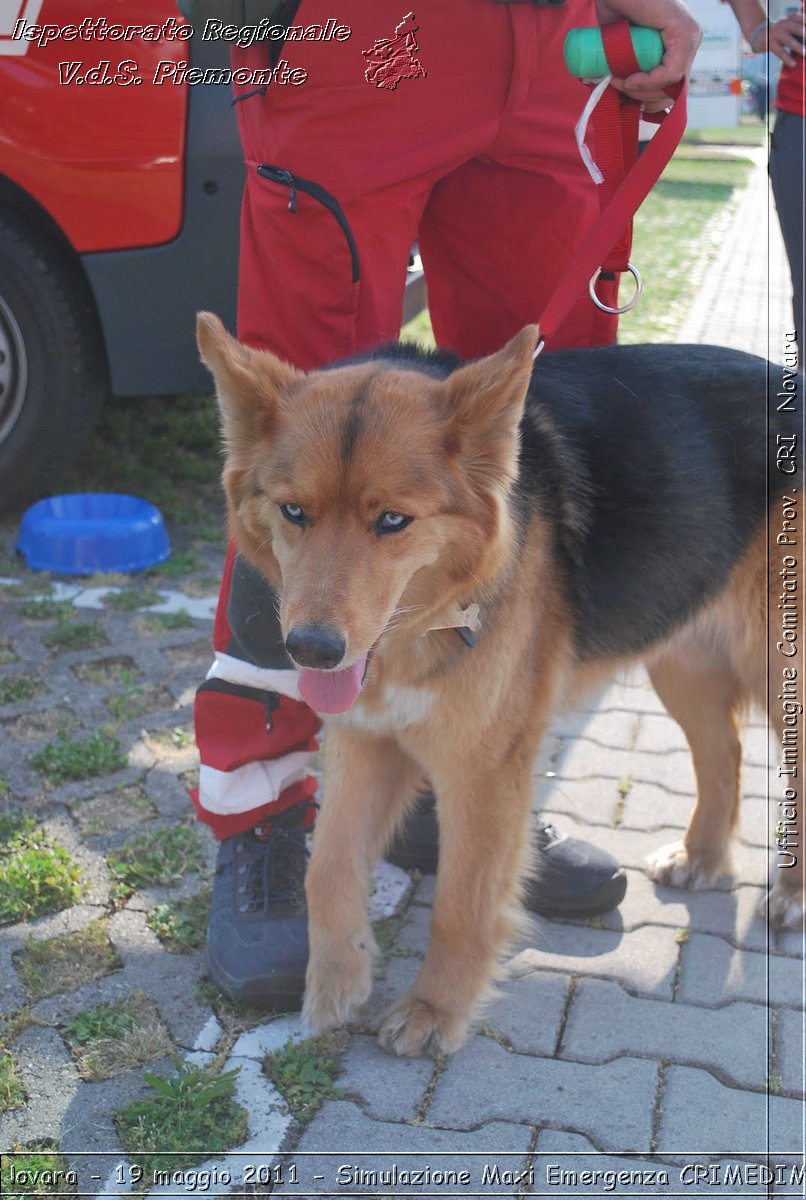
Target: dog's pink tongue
{"x":332,"y":691}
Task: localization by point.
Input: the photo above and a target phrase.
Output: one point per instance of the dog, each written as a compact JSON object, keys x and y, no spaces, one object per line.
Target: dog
{"x":461,"y":549}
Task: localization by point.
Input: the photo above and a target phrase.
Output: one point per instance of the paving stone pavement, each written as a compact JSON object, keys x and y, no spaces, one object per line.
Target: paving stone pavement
{"x":643,"y":1053}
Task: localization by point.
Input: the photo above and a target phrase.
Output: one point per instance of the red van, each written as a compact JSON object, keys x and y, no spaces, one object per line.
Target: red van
{"x":119,"y":203}
{"x":120,"y":189}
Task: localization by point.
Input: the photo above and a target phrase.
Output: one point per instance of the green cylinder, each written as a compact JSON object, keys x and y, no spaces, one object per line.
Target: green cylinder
{"x":585,"y":57}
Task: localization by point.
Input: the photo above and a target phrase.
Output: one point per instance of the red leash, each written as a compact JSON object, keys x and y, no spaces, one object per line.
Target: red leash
{"x":628,"y":180}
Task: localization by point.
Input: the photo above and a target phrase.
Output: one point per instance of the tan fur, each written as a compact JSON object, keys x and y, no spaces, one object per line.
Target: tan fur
{"x":470,"y":721}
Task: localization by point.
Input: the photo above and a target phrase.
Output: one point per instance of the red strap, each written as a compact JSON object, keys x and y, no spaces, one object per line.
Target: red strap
{"x":607,"y":243}
{"x":615,"y":133}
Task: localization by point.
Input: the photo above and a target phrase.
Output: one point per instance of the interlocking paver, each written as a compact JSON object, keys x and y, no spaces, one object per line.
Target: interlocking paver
{"x":365,"y":1079}
{"x":733,"y":915}
{"x":341,"y":1142}
{"x":789,"y":1050}
{"x":605,"y":1023}
{"x":645,"y":961}
{"x":649,"y":807}
{"x":612,"y":1104}
{"x":713,"y":972}
{"x":529,"y":1012}
{"x":51,"y":1083}
{"x":750,"y":1121}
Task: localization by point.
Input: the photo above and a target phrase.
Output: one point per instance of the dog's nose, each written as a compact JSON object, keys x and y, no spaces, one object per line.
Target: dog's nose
{"x":315,"y":646}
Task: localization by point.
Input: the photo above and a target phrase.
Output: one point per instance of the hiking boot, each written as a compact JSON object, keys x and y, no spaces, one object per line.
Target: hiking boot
{"x":257,"y":938}
{"x":572,"y":879}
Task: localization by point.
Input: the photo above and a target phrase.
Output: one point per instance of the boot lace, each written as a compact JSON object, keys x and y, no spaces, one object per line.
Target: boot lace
{"x":274,"y":871}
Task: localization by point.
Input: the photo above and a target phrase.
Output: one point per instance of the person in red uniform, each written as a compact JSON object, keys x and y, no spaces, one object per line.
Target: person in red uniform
{"x":454,"y":126}
{"x":785,"y":38}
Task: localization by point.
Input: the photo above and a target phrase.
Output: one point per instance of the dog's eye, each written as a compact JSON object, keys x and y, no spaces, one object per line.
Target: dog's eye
{"x":392,"y":522}
{"x":293,"y":513}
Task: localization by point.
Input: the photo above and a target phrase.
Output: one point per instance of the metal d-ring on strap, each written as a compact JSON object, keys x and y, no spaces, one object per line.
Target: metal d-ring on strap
{"x":631,"y":303}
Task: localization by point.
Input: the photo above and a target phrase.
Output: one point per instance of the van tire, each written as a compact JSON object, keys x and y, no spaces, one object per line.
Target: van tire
{"x":53,"y":374}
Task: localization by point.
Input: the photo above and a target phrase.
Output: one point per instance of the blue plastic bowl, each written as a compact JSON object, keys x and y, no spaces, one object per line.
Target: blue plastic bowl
{"x":93,"y":531}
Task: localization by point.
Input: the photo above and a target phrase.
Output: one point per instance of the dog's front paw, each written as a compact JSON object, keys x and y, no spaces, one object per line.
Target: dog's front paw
{"x":337,"y":984}
{"x":784,"y":906}
{"x":413,"y":1027}
{"x":674,"y":866}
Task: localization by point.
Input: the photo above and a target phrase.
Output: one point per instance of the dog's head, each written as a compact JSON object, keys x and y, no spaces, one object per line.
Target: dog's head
{"x":370,"y":495}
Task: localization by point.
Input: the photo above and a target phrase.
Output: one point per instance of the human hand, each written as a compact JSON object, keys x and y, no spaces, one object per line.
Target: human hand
{"x":784,"y":38}
{"x":681,"y":39}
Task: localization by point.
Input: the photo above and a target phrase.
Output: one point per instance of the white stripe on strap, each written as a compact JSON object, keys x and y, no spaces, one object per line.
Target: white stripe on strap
{"x":251,"y":786}
{"x":235,"y":670}
{"x":581,"y":129}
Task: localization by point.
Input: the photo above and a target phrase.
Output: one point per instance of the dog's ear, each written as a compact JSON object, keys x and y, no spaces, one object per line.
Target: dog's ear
{"x":249,"y":383}
{"x":485,"y":402}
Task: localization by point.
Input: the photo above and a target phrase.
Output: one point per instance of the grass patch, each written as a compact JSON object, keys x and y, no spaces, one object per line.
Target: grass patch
{"x":214,"y":534}
{"x":130,"y":599}
{"x":123,"y":808}
{"x":7,"y":655}
{"x":116,"y":1037}
{"x":132,"y":701}
{"x":108,"y":1021}
{"x":47,"y":1167}
{"x":12,"y":1093}
{"x":107,"y":671}
{"x":177,"y":738}
{"x":18,"y":690}
{"x":128,"y":675}
{"x":305,"y":1072}
{"x":162,"y":857}
{"x":45,"y":609}
{"x":181,"y":562}
{"x":12,"y":824}
{"x":191,"y":1112}
{"x":36,"y":877}
{"x":70,"y":758}
{"x":66,"y":962}
{"x":168,"y":622}
{"x":34,"y":583}
{"x":740,"y":135}
{"x":181,"y":925}
{"x":74,"y":635}
{"x":166,"y":449}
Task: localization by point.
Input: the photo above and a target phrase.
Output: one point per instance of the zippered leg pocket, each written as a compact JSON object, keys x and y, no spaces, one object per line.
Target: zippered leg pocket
{"x":299,"y":289}
{"x":296,"y":184}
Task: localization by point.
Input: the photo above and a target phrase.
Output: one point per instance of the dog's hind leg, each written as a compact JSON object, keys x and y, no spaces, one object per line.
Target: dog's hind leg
{"x":369,"y":782}
{"x":701,"y":691}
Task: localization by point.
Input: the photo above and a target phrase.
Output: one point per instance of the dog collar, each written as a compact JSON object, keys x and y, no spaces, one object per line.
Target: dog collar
{"x":466,"y":621}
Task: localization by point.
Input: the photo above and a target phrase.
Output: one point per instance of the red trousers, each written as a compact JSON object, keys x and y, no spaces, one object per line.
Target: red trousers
{"x":472,"y":154}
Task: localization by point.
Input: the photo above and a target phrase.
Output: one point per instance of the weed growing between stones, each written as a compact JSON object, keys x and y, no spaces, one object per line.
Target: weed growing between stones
{"x":68,"y":759}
